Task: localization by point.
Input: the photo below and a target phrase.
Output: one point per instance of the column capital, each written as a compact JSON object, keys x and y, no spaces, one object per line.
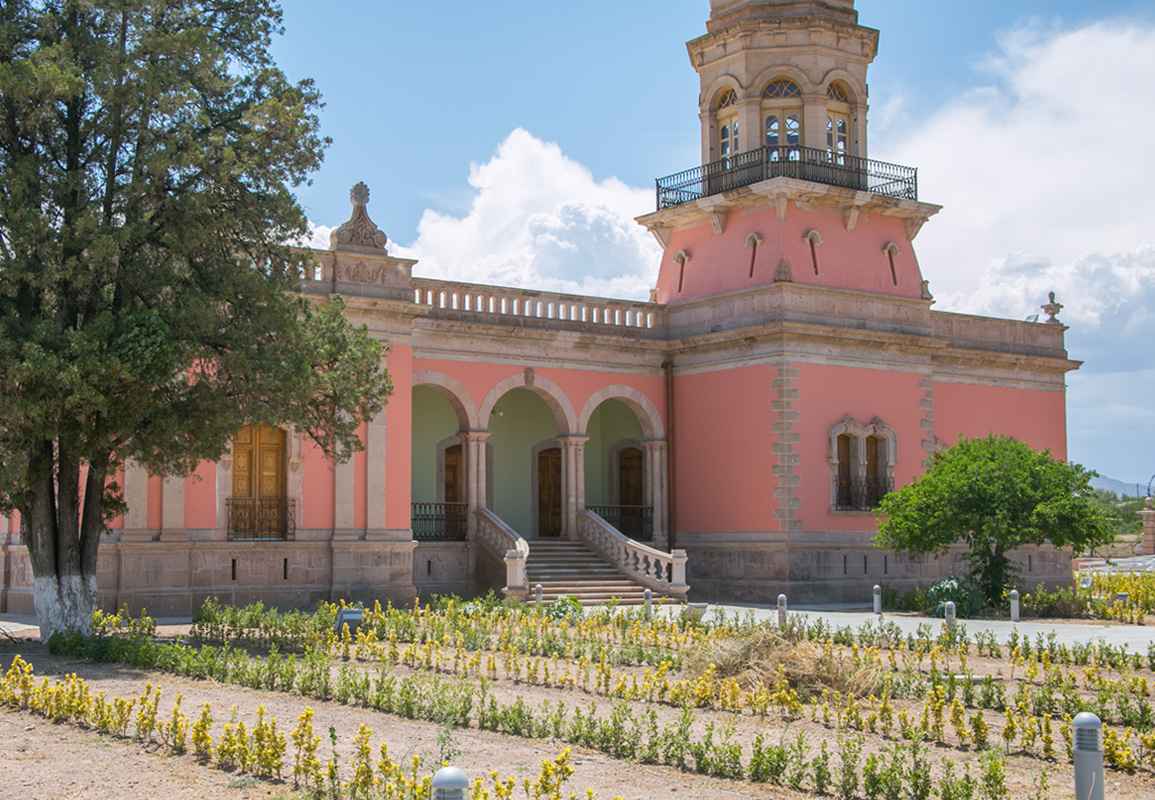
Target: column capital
{"x":476,"y":436}
{"x":654,"y":444}
{"x":573,"y":439}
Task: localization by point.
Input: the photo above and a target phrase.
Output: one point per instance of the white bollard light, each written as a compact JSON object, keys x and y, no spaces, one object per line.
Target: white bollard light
{"x":649,"y":596}
{"x":878,"y":599}
{"x":949,"y":614}
{"x":538,"y":593}
{"x":1088,"y":757}
{"x":781,"y":611}
{"x":450,"y":783}
{"x":1014,"y":605}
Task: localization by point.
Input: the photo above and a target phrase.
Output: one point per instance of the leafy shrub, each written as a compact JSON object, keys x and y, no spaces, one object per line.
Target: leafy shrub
{"x":967,"y":599}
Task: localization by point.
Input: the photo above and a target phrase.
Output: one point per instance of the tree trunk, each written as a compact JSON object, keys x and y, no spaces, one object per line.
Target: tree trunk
{"x":64,"y":603}
{"x":62,"y":540}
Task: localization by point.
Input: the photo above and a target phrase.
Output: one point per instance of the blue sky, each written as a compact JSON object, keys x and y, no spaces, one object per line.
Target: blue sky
{"x":512,"y":142}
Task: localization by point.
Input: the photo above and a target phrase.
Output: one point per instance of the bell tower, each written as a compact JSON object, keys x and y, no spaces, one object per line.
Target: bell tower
{"x":787,"y":74}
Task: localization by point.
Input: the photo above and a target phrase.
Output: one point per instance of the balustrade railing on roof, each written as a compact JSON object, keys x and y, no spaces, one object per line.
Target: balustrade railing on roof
{"x":499,"y":303}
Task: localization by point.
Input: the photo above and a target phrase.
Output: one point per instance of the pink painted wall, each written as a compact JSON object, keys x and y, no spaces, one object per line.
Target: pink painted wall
{"x":846,"y":259}
{"x":200,"y":497}
{"x":316,"y":487}
{"x":724,"y":448}
{"x":1037,"y":417}
{"x":825,"y":395}
{"x":398,"y":420}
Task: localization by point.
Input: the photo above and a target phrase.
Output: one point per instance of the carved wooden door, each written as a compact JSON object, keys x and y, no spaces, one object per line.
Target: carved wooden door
{"x":257,"y":508}
{"x":454,"y":475}
{"x":549,"y":491}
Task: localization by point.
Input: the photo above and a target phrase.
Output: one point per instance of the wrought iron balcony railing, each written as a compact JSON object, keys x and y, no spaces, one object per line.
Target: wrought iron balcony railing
{"x":439,"y":522}
{"x":254,"y":518}
{"x":803,"y":163}
{"x":859,"y":494}
{"x":636,"y":522}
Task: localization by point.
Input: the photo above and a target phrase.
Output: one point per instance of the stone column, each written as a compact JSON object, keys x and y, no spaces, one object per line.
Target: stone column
{"x":344,"y":514}
{"x":656,"y":489}
{"x":814,"y":120}
{"x":573,"y":477}
{"x":1148,"y":517}
{"x":751,"y":135}
{"x":375,"y":443}
{"x":476,"y":444}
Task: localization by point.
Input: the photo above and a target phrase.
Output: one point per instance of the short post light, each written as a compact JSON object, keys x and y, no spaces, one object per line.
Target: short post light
{"x":450,"y":783}
{"x":648,"y":594}
{"x":1088,"y":757}
{"x":1014,"y":605}
{"x":949,"y":614}
{"x":781,"y":611}
{"x":538,"y":593}
{"x":878,"y":600}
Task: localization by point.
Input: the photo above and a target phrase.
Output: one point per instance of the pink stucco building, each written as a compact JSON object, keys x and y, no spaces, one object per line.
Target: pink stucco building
{"x":732,"y":434}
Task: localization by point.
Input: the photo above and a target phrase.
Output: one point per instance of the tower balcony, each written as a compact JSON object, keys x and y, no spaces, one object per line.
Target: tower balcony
{"x":801,"y":163}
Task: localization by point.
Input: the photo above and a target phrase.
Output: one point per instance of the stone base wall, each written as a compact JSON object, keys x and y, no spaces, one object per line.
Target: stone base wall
{"x":173,"y":578}
{"x":818,"y":567}
{"x":443,"y":568}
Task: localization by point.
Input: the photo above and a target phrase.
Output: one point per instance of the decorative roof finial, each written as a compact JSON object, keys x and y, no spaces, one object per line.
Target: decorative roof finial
{"x":359,"y":232}
{"x":1052,"y":309}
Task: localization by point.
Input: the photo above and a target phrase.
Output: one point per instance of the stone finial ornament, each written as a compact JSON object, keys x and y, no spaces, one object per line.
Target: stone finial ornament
{"x":1052,"y":309}
{"x":926,"y":295}
{"x":783,"y":274}
{"x":359,"y":232}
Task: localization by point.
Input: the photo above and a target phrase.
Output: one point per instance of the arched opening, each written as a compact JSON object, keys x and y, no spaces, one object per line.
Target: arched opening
{"x":782,"y":115}
{"x":839,"y":141}
{"x":525,"y":483}
{"x":729,"y":133}
{"x":438,"y":479}
{"x":617,"y":488}
{"x":259,"y":507}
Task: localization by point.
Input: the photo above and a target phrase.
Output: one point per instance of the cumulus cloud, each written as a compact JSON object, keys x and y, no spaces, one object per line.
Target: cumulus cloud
{"x":1046,"y":183}
{"x":539,"y":219}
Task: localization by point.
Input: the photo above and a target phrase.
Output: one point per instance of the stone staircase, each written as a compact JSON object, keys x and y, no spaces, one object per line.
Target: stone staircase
{"x":568,"y":567}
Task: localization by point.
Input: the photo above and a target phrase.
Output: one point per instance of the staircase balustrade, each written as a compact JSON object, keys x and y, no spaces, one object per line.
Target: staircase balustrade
{"x":654,"y":569}
{"x":506,"y":544}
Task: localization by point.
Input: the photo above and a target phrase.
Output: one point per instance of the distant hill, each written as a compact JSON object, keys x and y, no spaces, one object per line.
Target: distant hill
{"x":1121,"y":488}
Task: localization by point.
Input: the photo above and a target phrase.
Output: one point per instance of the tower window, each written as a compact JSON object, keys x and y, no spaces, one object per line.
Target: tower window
{"x":782,"y":88}
{"x":837,"y":92}
{"x":782,"y":111}
{"x":837,"y":137}
{"x":728,"y":138}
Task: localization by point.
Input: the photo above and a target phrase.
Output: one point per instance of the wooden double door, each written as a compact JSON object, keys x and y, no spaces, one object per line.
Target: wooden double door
{"x":258,"y":507}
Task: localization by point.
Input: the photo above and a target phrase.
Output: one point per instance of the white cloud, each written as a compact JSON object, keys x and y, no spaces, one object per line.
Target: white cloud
{"x":539,"y":219}
{"x":1045,"y":174}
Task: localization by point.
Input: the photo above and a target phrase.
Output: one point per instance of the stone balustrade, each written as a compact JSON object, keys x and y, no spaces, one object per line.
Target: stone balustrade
{"x":502,"y":304}
{"x":507,"y":545}
{"x":663,"y":572}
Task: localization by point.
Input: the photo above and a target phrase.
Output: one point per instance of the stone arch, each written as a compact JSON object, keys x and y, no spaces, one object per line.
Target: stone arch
{"x":759,"y":84}
{"x":709,"y":99}
{"x":856,"y":91}
{"x":559,"y":404}
{"x":458,"y":396}
{"x":648,"y":416}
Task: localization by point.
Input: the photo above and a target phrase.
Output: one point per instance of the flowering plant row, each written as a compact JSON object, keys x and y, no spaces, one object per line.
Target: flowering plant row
{"x":263,"y":751}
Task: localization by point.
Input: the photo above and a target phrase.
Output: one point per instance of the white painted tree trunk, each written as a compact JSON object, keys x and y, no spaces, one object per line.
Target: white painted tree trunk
{"x":64,"y":603}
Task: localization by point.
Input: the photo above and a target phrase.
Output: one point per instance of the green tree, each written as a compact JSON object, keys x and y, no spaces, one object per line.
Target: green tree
{"x":993,"y":495}
{"x":148,"y":300}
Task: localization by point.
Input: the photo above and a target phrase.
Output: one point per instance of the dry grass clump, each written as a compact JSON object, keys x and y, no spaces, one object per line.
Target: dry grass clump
{"x":753,"y":660}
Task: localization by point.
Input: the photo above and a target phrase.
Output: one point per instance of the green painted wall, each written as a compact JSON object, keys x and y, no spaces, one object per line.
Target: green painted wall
{"x":520,"y":421}
{"x":433,"y":421}
{"x":610,"y":423}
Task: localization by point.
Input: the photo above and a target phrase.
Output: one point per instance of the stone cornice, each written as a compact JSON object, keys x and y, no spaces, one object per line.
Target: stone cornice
{"x":820,"y":32}
{"x":780,"y":192}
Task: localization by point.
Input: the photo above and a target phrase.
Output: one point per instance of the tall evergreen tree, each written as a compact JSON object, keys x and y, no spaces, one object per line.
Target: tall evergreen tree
{"x":148,"y":303}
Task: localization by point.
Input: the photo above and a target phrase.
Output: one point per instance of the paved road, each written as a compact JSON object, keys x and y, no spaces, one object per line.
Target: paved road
{"x":1136,"y":637}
